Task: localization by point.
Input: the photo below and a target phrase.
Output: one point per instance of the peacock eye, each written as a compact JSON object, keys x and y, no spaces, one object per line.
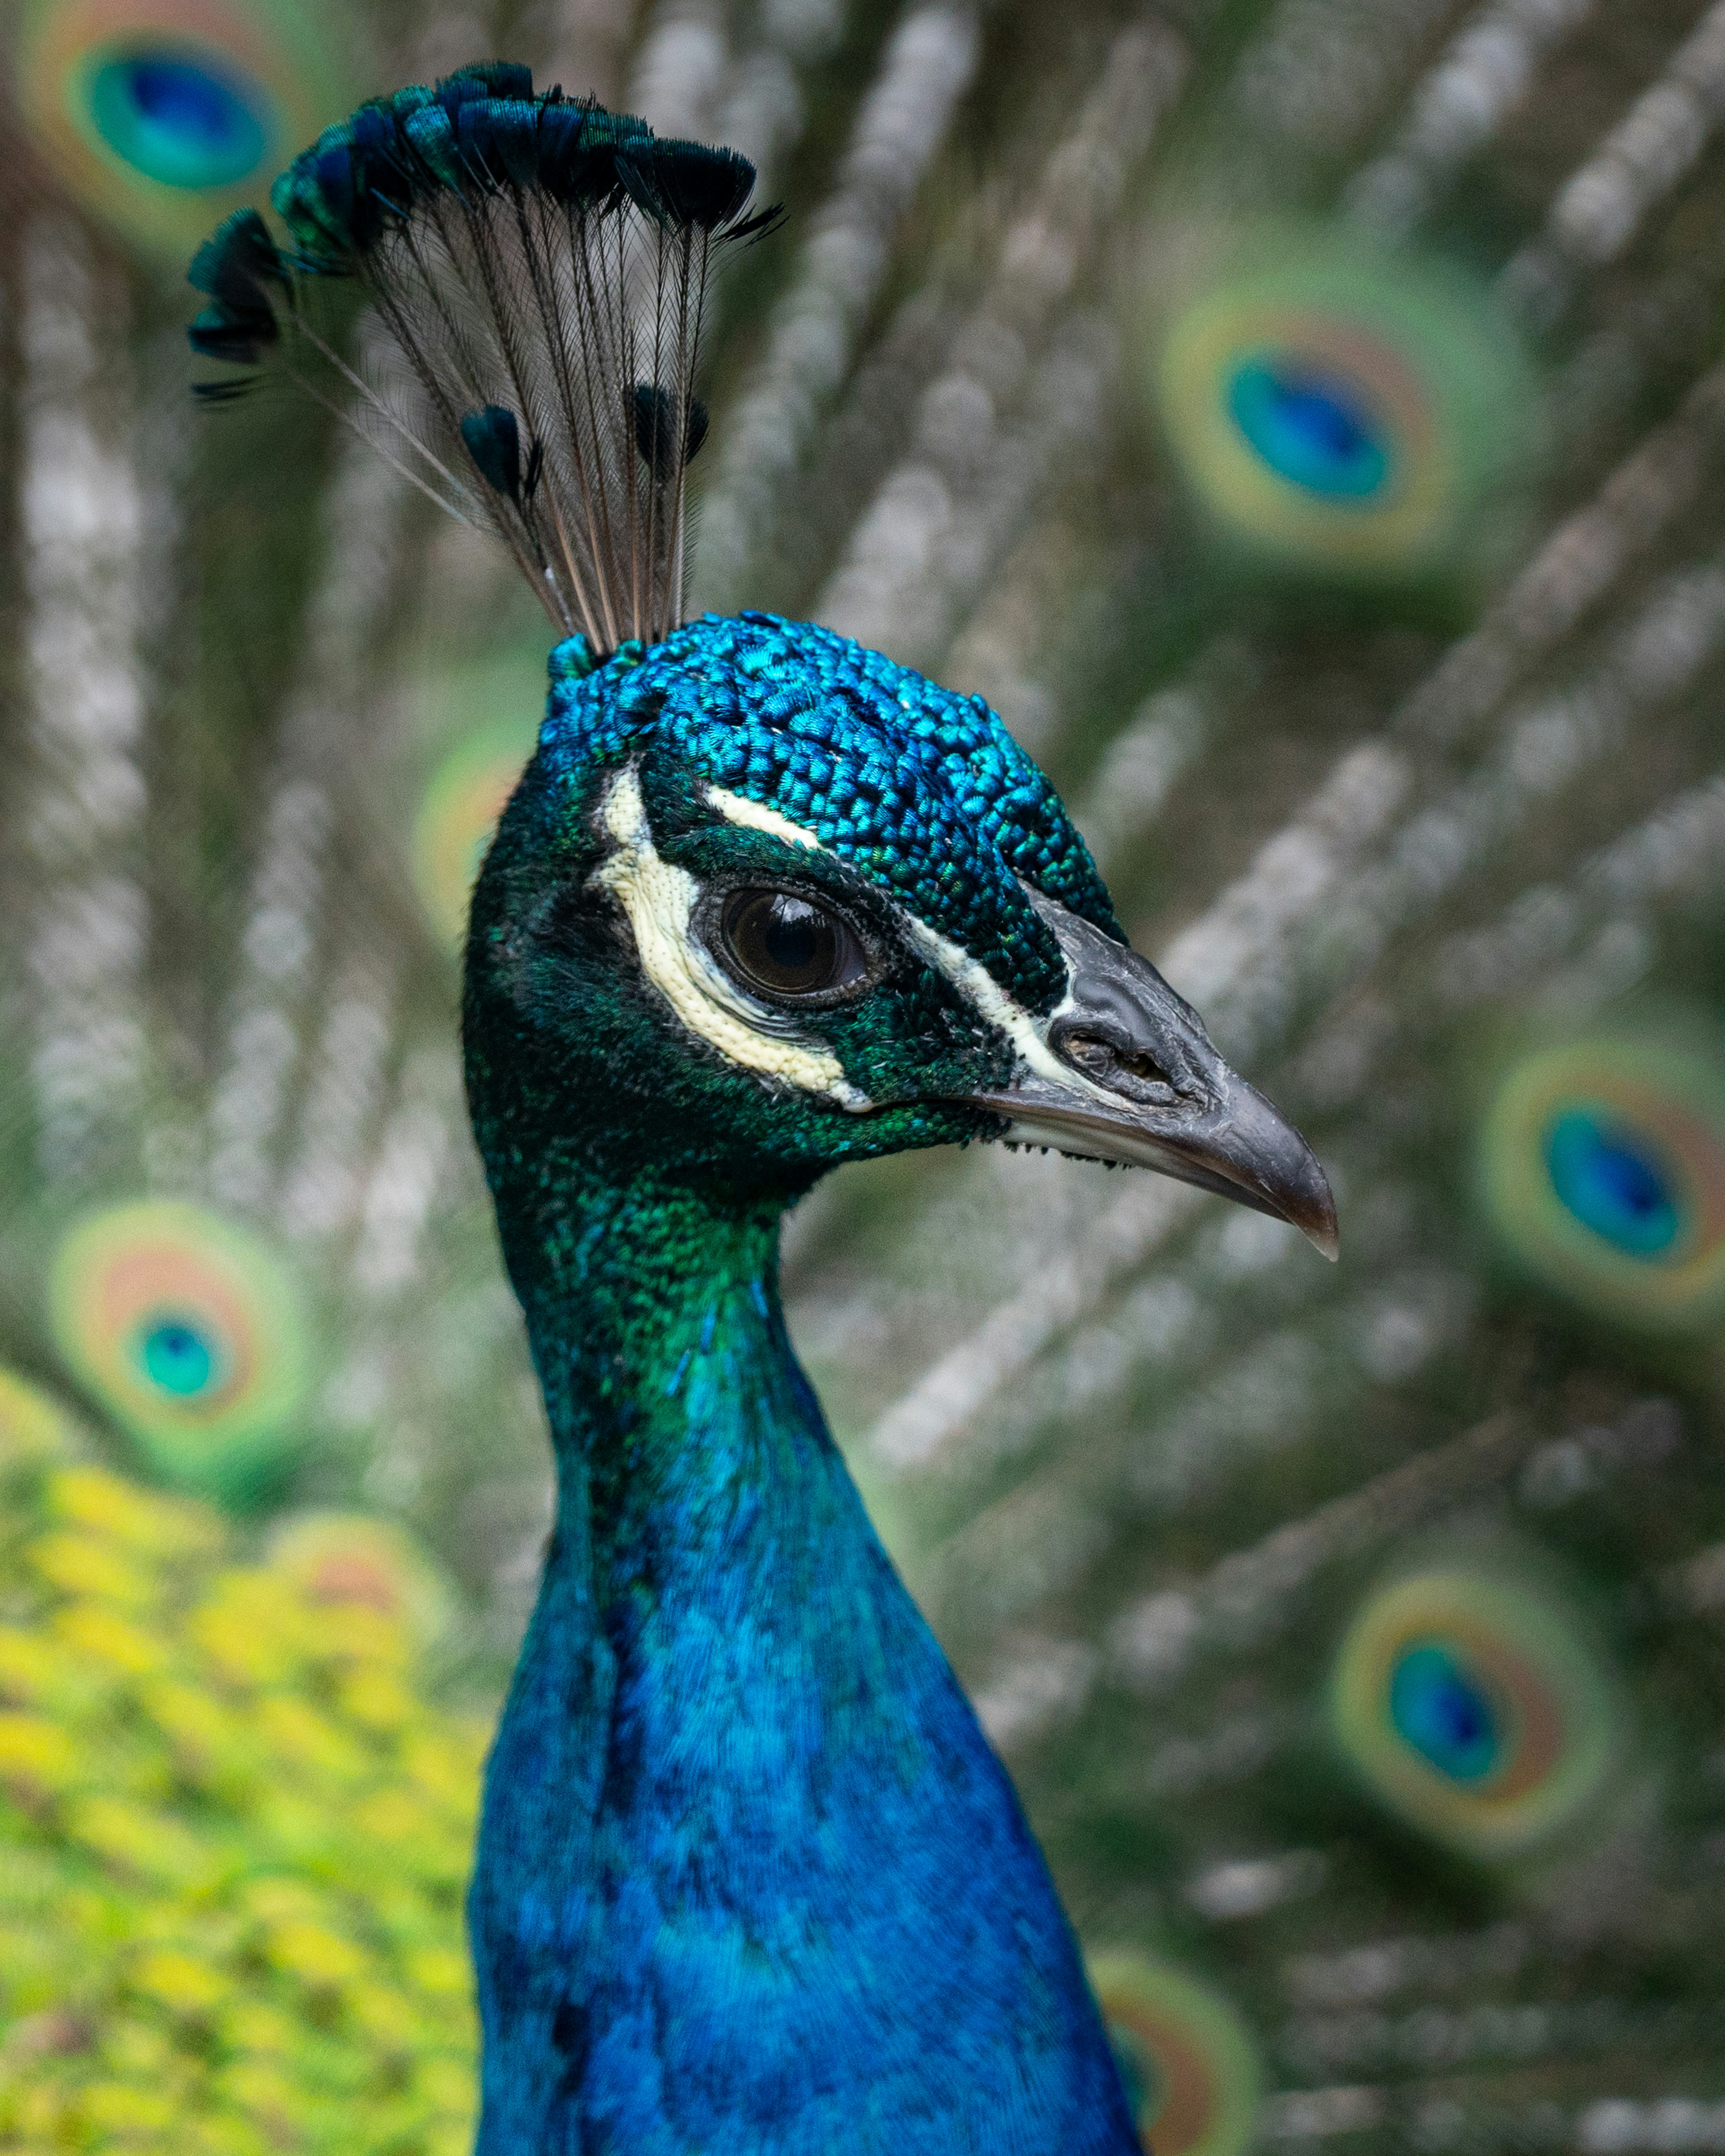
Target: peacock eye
{"x":787,"y":947}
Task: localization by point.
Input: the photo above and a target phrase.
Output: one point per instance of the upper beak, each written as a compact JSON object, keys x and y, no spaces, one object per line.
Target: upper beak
{"x":1128,"y":1074}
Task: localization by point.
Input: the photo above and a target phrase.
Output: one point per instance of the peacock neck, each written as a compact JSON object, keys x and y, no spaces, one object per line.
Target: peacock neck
{"x":738,"y":1801}
{"x":626,"y":1285}
{"x":653,"y":1311}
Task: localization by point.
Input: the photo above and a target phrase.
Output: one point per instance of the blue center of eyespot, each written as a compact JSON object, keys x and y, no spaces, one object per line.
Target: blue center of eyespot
{"x":178,"y":1358}
{"x":1312,"y":426}
{"x":1139,"y":2075}
{"x":180,"y":115}
{"x":1614,"y":1182}
{"x":1439,"y":1707}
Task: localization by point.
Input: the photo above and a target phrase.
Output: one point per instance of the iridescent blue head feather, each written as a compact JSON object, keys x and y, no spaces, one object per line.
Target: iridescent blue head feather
{"x":724,"y":783}
{"x":762,"y":902}
{"x":918,"y":789}
{"x":977,"y":982}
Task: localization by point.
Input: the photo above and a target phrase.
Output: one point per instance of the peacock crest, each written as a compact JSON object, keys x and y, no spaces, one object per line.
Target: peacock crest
{"x":1240,"y":481}
{"x":541,"y":268}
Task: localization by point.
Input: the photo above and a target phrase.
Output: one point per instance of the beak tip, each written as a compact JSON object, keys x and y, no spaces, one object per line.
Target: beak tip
{"x":1314,"y":1211}
{"x":1208,"y":1126}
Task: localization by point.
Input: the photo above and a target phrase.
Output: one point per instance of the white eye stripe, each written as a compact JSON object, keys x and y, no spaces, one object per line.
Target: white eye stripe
{"x":755,"y":816}
{"x":971,"y":978}
{"x":967,"y":975}
{"x":658,"y":899}
{"x":991,"y":1003}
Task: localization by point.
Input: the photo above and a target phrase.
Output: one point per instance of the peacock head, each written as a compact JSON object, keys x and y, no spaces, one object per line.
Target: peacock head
{"x":765,"y":902}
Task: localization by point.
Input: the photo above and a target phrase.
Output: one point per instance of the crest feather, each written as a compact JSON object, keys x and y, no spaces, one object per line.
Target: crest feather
{"x":542,"y":266}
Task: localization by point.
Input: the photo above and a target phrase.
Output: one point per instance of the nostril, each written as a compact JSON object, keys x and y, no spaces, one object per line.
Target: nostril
{"x":1109,"y":1062}
{"x":1143,"y":1066}
{"x":1085,"y":1049}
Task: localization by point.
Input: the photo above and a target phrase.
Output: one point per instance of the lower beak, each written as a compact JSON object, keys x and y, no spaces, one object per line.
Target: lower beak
{"x":1129,"y":1074}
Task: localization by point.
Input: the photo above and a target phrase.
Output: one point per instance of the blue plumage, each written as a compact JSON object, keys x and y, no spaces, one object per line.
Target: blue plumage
{"x":751,"y":1881}
{"x":750,"y":1877}
{"x":922,"y":788}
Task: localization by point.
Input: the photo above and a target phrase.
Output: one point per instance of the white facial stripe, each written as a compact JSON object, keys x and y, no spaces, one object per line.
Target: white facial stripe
{"x":972,"y":980}
{"x":755,"y":816}
{"x":659,"y":898}
{"x":990,"y":1001}
{"x":970,"y":975}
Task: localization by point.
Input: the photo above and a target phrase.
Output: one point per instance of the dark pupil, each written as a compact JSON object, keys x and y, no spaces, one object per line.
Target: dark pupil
{"x":785,"y":944}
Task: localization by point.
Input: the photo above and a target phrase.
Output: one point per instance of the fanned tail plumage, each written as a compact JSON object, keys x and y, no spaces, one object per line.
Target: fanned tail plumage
{"x":543,"y":267}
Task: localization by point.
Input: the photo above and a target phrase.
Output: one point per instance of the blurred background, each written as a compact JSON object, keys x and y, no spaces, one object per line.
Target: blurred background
{"x":1302,"y":420}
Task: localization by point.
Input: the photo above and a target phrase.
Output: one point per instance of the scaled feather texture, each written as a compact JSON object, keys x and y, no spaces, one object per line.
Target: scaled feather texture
{"x":750,"y":1877}
{"x":1298,"y":422}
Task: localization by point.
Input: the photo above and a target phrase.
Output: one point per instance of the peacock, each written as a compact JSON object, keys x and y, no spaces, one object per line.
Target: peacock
{"x":1297,"y":422}
{"x":749,"y":1875}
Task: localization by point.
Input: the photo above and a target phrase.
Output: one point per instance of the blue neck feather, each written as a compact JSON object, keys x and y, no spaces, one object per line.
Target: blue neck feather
{"x":750,"y":1878}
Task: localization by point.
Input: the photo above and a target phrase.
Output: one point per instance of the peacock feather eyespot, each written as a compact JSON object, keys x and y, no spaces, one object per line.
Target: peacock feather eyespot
{"x":456,"y":818}
{"x":1191,"y":2072}
{"x":349,"y":1561}
{"x":182,"y":117}
{"x":1338,"y":413}
{"x":1475,"y":1705}
{"x":1315,"y":425}
{"x":190,"y":1332}
{"x":159,"y":114}
{"x":1602,"y":1169}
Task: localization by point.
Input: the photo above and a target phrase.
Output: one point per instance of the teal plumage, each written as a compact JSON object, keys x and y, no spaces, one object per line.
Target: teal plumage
{"x":1400,"y":828}
{"x":750,"y":1877}
{"x":714,"y":1591}
{"x":746,"y":1850}
{"x":922,"y":789}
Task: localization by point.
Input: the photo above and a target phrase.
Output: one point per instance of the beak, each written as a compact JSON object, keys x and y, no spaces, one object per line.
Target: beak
{"x":1129,"y":1074}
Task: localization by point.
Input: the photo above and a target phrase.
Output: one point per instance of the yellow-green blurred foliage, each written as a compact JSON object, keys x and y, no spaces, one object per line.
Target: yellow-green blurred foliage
{"x":234,"y":1837}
